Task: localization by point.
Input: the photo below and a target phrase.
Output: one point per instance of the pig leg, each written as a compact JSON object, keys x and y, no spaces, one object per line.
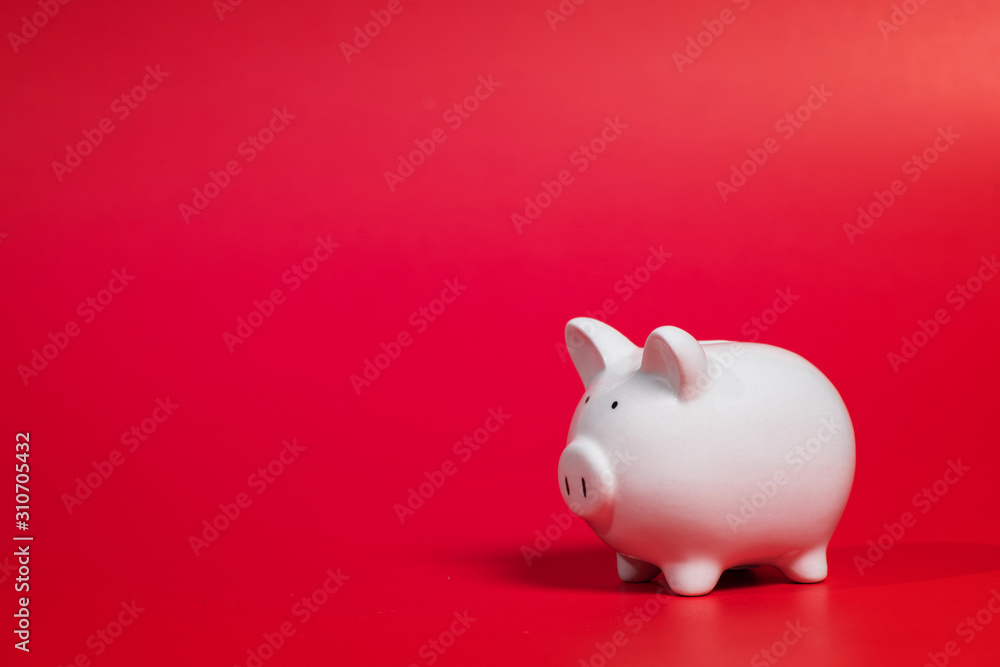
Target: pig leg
{"x":806,"y":567}
{"x":695,"y":577}
{"x":635,"y":570}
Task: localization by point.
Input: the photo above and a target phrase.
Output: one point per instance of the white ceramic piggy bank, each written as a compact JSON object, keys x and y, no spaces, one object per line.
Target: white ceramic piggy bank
{"x":692,"y":457}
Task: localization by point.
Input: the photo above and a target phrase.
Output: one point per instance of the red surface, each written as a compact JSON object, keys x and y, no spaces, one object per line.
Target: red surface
{"x":496,"y":345}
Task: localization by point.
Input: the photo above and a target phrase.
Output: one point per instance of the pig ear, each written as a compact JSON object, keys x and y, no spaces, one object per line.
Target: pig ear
{"x":676,"y":356}
{"x":594,"y":346}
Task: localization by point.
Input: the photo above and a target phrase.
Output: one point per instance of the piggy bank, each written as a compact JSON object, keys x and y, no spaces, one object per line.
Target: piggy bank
{"x":692,"y":457}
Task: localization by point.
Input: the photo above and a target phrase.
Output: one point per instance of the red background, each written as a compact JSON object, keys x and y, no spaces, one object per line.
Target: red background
{"x":495,"y":346}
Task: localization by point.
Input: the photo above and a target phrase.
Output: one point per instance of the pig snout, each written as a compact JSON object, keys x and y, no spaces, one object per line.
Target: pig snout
{"x":586,"y":480}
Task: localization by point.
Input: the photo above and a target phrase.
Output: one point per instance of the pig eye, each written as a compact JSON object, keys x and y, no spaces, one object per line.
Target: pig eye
{"x":587,"y":400}
{"x":614,"y":405}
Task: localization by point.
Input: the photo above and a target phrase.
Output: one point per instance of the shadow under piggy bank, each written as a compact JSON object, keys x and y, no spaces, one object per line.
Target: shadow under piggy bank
{"x":594,"y":568}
